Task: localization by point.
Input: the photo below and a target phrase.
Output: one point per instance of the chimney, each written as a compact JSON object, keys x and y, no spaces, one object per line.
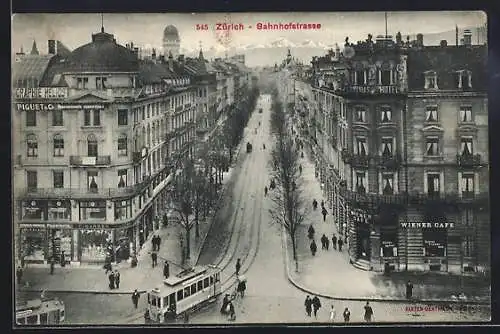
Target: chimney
{"x":467,"y":37}
{"x":162,"y":59}
{"x":398,"y":38}
{"x":181,"y":60}
{"x":153,"y":55}
{"x":131,"y":45}
{"x":420,"y":40}
{"x":52,"y":47}
{"x":456,"y":35}
{"x":170,"y":61}
{"x":136,"y":52}
{"x":443,"y":43}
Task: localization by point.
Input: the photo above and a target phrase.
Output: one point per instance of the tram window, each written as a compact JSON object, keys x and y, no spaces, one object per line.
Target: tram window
{"x":21,"y":321}
{"x":44,"y":318}
{"x":200,"y":285}
{"x":158,"y":302}
{"x":171,"y":298}
{"x":165,"y":301}
{"x":32,"y":319}
{"x":187,"y":292}
{"x":206,"y":282}
{"x":211,"y":280}
{"x":193,"y":289}
{"x":153,"y":301}
{"x":217,"y":277}
{"x":180,"y":296}
{"x":149,"y":300}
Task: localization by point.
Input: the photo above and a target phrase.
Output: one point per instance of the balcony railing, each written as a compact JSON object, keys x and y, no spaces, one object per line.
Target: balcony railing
{"x":388,"y":161}
{"x":468,"y":160}
{"x":102,"y":160}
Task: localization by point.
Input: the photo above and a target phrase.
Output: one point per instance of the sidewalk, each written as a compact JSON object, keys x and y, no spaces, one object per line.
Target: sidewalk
{"x":329,"y":273}
{"x":92,"y":278}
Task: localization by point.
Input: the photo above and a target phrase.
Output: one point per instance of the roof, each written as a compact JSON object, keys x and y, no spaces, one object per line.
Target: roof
{"x":62,"y":49}
{"x":446,"y":61}
{"x":30,"y":68}
{"x":103,"y":54}
{"x":52,"y":76}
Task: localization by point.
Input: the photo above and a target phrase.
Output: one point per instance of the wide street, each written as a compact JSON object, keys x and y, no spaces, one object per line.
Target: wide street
{"x":243,"y":229}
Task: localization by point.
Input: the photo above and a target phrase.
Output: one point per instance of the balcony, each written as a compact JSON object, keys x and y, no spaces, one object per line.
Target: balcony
{"x":137,"y":157}
{"x":392,"y":161}
{"x":468,"y":160}
{"x":370,"y":90}
{"x":101,"y":160}
{"x":355,"y":160}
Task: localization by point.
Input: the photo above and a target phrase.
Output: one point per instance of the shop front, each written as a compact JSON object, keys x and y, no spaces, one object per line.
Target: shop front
{"x":94,"y":239}
{"x":60,"y":243}
{"x":434,"y":238}
{"x":34,"y":243}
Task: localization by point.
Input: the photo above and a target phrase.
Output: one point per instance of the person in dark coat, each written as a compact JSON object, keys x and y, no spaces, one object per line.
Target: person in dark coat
{"x":63,"y":259}
{"x":409,"y":290}
{"x":154,"y":258}
{"x":300,"y":169}
{"x":238,"y":266}
{"x":19,"y":275}
{"x":166,"y":270}
{"x":153,"y":242}
{"x":334,"y":241}
{"x":315,"y":204}
{"x":225,"y":302}
{"x":340,"y":242}
{"x":52,"y":265}
{"x":324,"y":239}
{"x":232,"y":313}
{"x":368,"y":312}
{"x":322,"y":204}
{"x":324,"y":213}
{"x":265,"y":191}
{"x":313,"y":248}
{"x":327,"y":243}
{"x":241,"y":288}
{"x":316,"y":303}
{"x":158,"y":243}
{"x":135,"y":298}
{"x":311,"y":232}
{"x":308,"y":305}
{"x":117,"y":279}
{"x":347,"y":315}
{"x":111,"y":279}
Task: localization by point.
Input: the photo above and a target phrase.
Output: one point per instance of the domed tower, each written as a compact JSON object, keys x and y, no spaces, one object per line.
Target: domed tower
{"x":171,"y":41}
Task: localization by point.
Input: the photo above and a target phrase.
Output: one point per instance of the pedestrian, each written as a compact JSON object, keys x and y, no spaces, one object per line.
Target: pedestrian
{"x":315,"y":204}
{"x":340,"y":244}
{"x":308,"y":305}
{"x":117,"y":279}
{"x":238,"y":267}
{"x":323,"y":241}
{"x":232,"y":313}
{"x":52,"y":265}
{"x":158,"y":243}
{"x":322,"y":204}
{"x":313,"y":248}
{"x":111,"y":278}
{"x":334,"y":241}
{"x":316,"y":306}
{"x":265,"y":191}
{"x":225,"y":303}
{"x":154,"y":258}
{"x":166,"y":270}
{"x":302,"y":154}
{"x":310,"y":232}
{"x":300,"y":169}
{"x":409,"y":290}
{"x":135,"y":298}
{"x":347,"y":315}
{"x":19,"y":275}
{"x":324,"y":212}
{"x":327,"y":243}
{"x":241,"y":288}
{"x":368,"y":312}
{"x":333,"y":313}
{"x":63,"y":259}
{"x":107,"y":266}
{"x":153,"y":242}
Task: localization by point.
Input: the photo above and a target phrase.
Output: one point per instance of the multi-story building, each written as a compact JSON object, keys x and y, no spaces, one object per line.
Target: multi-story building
{"x":399,"y":134}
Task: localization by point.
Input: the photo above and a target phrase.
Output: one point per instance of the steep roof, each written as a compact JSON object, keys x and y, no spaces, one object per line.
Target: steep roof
{"x":62,"y":50}
{"x":446,"y":61}
{"x":30,"y":68}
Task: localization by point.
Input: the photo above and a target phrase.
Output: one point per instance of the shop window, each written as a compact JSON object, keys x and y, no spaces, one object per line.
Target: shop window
{"x":466,"y":146}
{"x":432,"y":146}
{"x":92,"y":181}
{"x":57,"y":118}
{"x":465,"y":114}
{"x":34,"y":210}
{"x":92,"y":146}
{"x":34,"y":241}
{"x":388,"y":184}
{"x":122,"y":145}
{"x":32,"y":320}
{"x":44,"y":318}
{"x":123,"y":210}
{"x":32,"y":146}
{"x":387,"y":146}
{"x":388,"y":243}
{"x":361,"y":146}
{"x":32,"y":179}
{"x":433,"y":184}
{"x":361,"y":182}
{"x":30,"y":118}
{"x":122,"y":117}
{"x":94,"y":244}
{"x":431,"y":114}
{"x":434,"y":241}
{"x":59,"y":210}
{"x":58,"y":176}
{"x":467,"y":185}
{"x":58,"y":145}
{"x":93,"y":210}
{"x":386,"y":115}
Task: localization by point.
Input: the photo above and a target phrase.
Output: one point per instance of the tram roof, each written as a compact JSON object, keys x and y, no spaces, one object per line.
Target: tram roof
{"x":39,"y":305}
{"x":188,"y":274}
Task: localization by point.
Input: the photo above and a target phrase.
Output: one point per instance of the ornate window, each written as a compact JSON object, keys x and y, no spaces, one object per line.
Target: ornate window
{"x":361,"y":147}
{"x":92,"y":146}
{"x":385,"y":114}
{"x":32,"y":146}
{"x":58,"y":145}
{"x":387,"y":183}
{"x":431,"y":114}
{"x":466,"y":147}
{"x":465,"y":114}
{"x":122,"y":145}
{"x":467,"y":184}
{"x":361,"y":182}
{"x":430,"y":80}
{"x":432,"y":146}
{"x":122,"y":178}
{"x":387,"y":149}
{"x":360,"y":114}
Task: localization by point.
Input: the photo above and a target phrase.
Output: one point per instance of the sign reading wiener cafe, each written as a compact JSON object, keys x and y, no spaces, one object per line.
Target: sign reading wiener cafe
{"x":56,"y":106}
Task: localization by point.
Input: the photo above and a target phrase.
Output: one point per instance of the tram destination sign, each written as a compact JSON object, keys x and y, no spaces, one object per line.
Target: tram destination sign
{"x":41,"y":93}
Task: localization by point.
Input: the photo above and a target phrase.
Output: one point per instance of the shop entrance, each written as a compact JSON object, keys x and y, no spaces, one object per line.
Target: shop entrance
{"x":364,"y":244}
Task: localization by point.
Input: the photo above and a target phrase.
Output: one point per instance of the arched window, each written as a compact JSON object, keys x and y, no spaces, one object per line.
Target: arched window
{"x":32,"y":146}
{"x":122,"y":145}
{"x":58,"y":145}
{"x":92,"y":147}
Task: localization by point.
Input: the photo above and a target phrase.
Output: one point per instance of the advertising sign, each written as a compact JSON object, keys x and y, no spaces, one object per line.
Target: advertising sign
{"x":53,"y":106}
{"x":41,"y":93}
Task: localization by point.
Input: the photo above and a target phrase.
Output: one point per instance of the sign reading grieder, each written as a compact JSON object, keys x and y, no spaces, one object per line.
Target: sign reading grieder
{"x":56,"y":106}
{"x":41,"y":93}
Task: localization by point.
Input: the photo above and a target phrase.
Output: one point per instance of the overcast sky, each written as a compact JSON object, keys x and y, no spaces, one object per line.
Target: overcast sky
{"x":74,"y":30}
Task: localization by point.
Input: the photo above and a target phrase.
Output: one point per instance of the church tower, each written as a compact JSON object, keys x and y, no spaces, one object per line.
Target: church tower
{"x":171,"y":42}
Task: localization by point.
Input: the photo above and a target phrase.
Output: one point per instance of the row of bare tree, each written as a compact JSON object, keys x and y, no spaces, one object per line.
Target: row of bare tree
{"x":289,"y":207}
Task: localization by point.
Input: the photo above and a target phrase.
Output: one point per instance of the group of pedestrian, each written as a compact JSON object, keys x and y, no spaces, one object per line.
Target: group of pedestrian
{"x":313,"y":305}
{"x":228,"y":308}
{"x":114,"y":280}
{"x":154,"y":258}
{"x":325,"y":243}
{"x":156,"y":241}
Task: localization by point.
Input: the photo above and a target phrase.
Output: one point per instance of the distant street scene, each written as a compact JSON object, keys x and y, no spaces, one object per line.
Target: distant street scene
{"x":233,"y":169}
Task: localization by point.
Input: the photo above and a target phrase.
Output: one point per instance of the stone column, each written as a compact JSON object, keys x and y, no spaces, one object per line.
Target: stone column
{"x":76,"y":244}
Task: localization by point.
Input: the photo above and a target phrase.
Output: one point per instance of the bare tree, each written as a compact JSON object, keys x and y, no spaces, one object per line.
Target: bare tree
{"x":200,"y":195}
{"x":289,"y":208}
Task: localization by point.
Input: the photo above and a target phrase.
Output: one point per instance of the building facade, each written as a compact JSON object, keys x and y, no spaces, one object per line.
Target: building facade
{"x":399,"y":135}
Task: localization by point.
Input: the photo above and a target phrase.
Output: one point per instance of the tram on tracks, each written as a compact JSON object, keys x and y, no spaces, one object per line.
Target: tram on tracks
{"x":186,"y":291}
{"x":44,"y":311}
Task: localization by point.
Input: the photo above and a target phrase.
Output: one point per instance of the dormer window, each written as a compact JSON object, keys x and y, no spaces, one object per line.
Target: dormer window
{"x":82,"y":83}
{"x":385,"y":114}
{"x":100,"y":82}
{"x":430,"y":80}
{"x":360,"y":77}
{"x":465,"y":114}
{"x":360,"y":115}
{"x":431,"y":114}
{"x":464,"y":79}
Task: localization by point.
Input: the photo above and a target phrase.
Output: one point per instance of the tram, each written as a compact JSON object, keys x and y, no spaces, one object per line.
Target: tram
{"x":45,"y":311}
{"x":186,"y":291}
